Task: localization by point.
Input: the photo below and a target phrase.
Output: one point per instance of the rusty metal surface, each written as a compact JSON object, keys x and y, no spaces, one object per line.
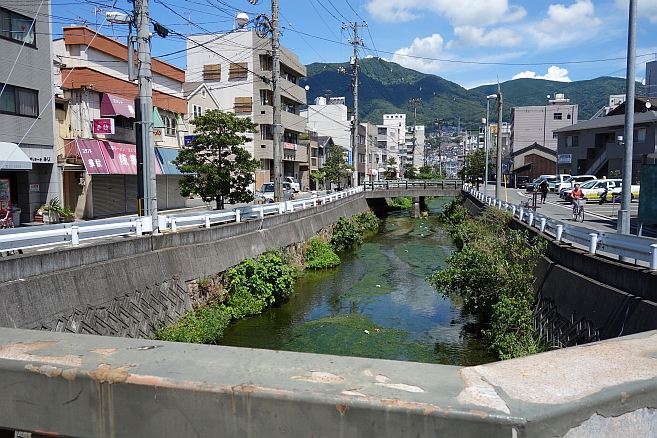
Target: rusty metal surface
{"x":89,"y":386}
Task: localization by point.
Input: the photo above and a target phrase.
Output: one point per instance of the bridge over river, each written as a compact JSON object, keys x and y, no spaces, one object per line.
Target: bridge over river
{"x":58,"y":383}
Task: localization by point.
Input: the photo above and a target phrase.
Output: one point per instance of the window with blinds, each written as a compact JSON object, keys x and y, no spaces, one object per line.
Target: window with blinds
{"x":238,"y":70}
{"x":243,"y":105}
{"x":212,"y":72}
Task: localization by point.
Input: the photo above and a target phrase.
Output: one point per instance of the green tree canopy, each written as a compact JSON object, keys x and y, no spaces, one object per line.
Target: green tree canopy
{"x":215,"y":164}
{"x":410,"y":172}
{"x":391,"y":168}
{"x":473,"y":170}
{"x":336,"y":167}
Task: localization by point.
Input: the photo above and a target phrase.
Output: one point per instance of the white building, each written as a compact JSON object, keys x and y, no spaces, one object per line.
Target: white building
{"x":237,"y":67}
{"x":330,"y":117}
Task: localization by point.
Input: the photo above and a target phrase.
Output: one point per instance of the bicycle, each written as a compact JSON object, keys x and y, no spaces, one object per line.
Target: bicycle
{"x":7,"y":221}
{"x":578,"y":210}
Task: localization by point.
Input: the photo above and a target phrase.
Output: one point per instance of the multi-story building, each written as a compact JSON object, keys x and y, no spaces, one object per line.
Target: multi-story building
{"x":330,"y":117}
{"x":415,"y":148}
{"x":95,"y":114}
{"x":237,"y":67}
{"x":29,"y":176}
{"x":651,"y":78}
{"x":199,"y":101}
{"x":536,"y":124}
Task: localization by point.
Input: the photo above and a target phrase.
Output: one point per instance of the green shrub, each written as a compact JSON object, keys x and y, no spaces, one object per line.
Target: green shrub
{"x":493,"y":276}
{"x":366,"y":222}
{"x":319,"y":255}
{"x":345,"y":235}
{"x":204,"y":325}
{"x":401,"y":203}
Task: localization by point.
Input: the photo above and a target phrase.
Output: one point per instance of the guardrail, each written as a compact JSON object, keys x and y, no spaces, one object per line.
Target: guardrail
{"x":622,"y":245}
{"x":414,"y":184}
{"x":18,"y":239}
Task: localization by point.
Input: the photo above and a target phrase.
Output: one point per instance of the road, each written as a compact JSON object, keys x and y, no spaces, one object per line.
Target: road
{"x":597,"y":217}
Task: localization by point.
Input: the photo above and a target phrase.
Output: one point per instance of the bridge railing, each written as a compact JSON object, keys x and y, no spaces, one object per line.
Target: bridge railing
{"x":622,"y":245}
{"x":72,"y":233}
{"x":443,"y":184}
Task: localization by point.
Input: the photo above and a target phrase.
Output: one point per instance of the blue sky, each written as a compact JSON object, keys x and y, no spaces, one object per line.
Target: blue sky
{"x":470,"y":42}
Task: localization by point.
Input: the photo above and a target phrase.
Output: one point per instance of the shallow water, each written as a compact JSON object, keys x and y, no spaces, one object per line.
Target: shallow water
{"x":380,"y":288}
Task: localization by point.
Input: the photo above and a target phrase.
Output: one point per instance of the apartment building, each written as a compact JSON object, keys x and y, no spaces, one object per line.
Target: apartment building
{"x":29,"y":176}
{"x":237,"y":67}
{"x":95,"y":116}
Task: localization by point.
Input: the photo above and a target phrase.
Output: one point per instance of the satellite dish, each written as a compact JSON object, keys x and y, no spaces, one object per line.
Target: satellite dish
{"x":242,"y":19}
{"x":307,"y":87}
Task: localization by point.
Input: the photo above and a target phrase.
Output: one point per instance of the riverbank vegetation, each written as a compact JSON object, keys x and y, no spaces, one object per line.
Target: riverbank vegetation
{"x":492,"y":274}
{"x":256,"y":284}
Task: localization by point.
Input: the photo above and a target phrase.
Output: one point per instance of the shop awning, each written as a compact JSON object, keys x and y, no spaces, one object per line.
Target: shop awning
{"x":13,"y":158}
{"x":108,"y":157}
{"x":111,"y":105}
{"x":180,"y":124}
{"x":165,"y":156}
{"x":157,"y":119}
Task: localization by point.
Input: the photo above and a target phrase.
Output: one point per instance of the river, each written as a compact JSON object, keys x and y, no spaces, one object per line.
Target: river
{"x":377,"y":304}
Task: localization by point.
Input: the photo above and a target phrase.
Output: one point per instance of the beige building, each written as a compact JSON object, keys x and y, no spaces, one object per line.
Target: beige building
{"x":536,"y":124}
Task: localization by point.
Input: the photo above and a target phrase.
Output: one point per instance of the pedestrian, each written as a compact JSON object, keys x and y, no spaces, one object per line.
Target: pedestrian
{"x":544,"y":188}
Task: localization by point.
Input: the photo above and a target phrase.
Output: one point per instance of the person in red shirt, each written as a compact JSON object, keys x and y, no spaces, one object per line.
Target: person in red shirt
{"x":576,"y":195}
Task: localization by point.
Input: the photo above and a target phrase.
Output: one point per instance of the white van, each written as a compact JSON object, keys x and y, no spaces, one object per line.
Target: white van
{"x":560,"y":179}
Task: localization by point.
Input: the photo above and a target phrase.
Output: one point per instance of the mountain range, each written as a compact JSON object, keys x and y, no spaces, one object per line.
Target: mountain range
{"x":386,"y":87}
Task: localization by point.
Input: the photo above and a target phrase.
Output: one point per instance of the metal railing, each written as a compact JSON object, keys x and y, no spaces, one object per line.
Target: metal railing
{"x":19,"y":239}
{"x":622,"y":245}
{"x":443,"y":184}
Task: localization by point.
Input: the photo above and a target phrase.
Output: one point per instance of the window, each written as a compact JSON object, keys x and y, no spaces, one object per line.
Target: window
{"x":212,"y":72}
{"x":124,"y":122}
{"x":238,"y":70}
{"x":361,"y":158}
{"x":169,"y":125}
{"x":640,"y":135}
{"x":572,"y":141}
{"x":266,"y":97}
{"x":19,"y":101}
{"x":568,"y":117}
{"x":382,"y":131}
{"x":558,"y":116}
{"x":17,"y":27}
{"x":313,"y":152}
{"x":290,"y":77}
{"x":266,"y":132}
{"x":243,"y":105}
{"x":265,"y":63}
{"x":555,"y":135}
{"x":197,"y":110}
{"x":290,"y":137}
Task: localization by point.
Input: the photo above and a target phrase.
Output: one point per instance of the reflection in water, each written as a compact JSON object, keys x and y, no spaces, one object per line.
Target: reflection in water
{"x":376,"y":304}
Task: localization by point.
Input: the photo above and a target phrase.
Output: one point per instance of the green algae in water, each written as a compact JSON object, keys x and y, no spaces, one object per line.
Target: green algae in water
{"x":391,"y":227}
{"x":344,"y":335}
{"x":421,"y":228}
{"x":374,"y":283}
{"x":426,"y":259}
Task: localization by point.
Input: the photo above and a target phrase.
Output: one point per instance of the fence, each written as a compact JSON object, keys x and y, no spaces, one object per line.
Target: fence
{"x":18,"y":239}
{"x":622,"y":245}
{"x":444,"y":184}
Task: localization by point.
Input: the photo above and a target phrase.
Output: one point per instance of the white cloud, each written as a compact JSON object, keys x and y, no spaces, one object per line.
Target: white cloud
{"x":554,"y":73}
{"x":566,"y":24}
{"x":459,"y":13}
{"x":429,"y":47}
{"x":476,"y":36}
{"x":647,"y":8}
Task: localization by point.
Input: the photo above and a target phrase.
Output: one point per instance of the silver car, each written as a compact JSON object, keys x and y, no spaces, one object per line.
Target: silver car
{"x":266,"y":193}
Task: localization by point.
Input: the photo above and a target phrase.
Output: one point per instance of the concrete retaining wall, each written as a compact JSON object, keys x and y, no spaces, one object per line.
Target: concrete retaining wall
{"x":38,"y":291}
{"x":590,"y":297}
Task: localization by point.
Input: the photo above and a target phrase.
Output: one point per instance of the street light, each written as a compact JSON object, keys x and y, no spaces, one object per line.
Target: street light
{"x":487,"y":140}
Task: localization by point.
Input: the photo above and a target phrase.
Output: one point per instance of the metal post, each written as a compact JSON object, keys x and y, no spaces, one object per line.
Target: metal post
{"x":144,"y":122}
{"x":498,"y":171}
{"x":623,"y":224}
{"x":276,"y":79}
{"x":486,"y":146}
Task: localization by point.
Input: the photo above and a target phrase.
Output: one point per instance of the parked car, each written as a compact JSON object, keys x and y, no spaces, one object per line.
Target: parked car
{"x":522,"y":181}
{"x":265,"y":195}
{"x":559,"y":180}
{"x":584,"y":186}
{"x":296,"y":186}
{"x":570,"y":182}
{"x":534,"y":184}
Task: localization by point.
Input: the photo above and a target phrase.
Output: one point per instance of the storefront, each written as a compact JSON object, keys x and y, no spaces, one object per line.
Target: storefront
{"x":110,"y":182}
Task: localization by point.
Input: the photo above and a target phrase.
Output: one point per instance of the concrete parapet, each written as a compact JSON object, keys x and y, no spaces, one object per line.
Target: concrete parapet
{"x":91,"y":386}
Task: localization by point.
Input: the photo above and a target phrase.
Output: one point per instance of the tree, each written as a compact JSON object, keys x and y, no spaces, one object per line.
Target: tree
{"x":215,"y":165}
{"x":473,"y":169}
{"x":391,"y":168}
{"x":335,"y":167}
{"x":410,"y":171}
{"x":318,"y":177}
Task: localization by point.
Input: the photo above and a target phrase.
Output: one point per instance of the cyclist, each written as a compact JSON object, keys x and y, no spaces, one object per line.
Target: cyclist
{"x":576,"y":196}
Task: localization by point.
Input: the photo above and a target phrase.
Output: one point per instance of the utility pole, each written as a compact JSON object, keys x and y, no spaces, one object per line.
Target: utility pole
{"x":623,"y":224}
{"x":278,"y":126}
{"x":498,"y":171}
{"x":354,"y":85}
{"x":414,"y":102}
{"x":146,"y":188}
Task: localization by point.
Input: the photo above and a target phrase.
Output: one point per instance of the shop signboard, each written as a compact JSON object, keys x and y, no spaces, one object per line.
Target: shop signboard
{"x":103,"y":126}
